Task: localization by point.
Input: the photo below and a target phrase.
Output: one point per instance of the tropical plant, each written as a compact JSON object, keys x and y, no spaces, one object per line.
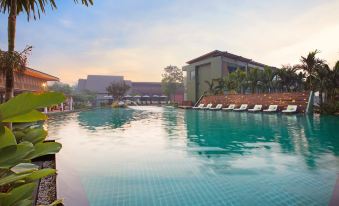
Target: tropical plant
{"x":172,"y":79}
{"x":18,"y":176}
{"x":309,"y":64}
{"x":213,"y":86}
{"x":253,"y":79}
{"x":267,"y":78}
{"x":14,"y":8}
{"x":118,"y":90}
{"x":60,"y":87}
{"x":11,"y":62}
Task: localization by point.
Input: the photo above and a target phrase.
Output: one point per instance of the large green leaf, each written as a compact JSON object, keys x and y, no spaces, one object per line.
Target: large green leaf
{"x":40,"y":174}
{"x":19,"y":194}
{"x":26,"y":102}
{"x":56,"y":202}
{"x":6,"y":138}
{"x":31,"y":116}
{"x":12,"y":178}
{"x":24,"y":168}
{"x":15,"y":154}
{"x":25,"y":202}
{"x":35,"y":135}
{"x":46,"y":148}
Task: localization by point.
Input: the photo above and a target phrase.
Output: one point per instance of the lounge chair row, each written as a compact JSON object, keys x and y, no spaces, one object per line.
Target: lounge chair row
{"x":244,"y":107}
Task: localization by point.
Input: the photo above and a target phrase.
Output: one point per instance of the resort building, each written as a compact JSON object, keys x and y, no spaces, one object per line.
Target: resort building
{"x":30,"y":80}
{"x":213,"y":65}
{"x":99,"y":83}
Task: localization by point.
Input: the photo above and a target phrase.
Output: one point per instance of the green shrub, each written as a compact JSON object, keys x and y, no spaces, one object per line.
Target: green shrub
{"x":18,"y":176}
{"x":329,"y":108}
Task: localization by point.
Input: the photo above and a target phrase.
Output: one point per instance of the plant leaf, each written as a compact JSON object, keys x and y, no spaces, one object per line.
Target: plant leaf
{"x":31,"y":116}
{"x":56,"y":202}
{"x":46,"y":148}
{"x":40,"y":174}
{"x":12,"y":178}
{"x":35,"y":135}
{"x":7,"y":138}
{"x":15,"y":154}
{"x":20,"y":193}
{"x":24,"y":168}
{"x":26,"y":102}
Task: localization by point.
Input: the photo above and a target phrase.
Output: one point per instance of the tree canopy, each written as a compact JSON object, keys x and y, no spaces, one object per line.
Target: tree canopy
{"x":172,"y":79}
{"x":118,"y":89}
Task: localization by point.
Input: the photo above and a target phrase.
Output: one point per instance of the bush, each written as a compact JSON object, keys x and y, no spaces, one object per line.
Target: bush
{"x":329,"y":108}
{"x":18,"y":176}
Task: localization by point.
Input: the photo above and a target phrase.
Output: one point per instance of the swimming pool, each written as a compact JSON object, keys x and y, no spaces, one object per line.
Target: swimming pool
{"x":162,"y":156}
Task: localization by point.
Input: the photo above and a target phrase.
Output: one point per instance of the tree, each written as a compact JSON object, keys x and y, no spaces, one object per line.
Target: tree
{"x":172,"y":79}
{"x":253,"y":77}
{"x":14,"y":8}
{"x":60,"y":87}
{"x":267,"y":79}
{"x":11,"y":62}
{"x":310,"y":64}
{"x":118,"y":90}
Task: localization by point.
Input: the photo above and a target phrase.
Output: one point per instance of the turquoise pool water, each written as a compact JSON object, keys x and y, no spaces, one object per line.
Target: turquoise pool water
{"x":160,"y":156}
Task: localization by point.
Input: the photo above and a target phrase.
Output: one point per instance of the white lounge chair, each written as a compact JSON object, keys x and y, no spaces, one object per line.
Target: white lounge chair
{"x":208,"y":106}
{"x":218,"y":107}
{"x":243,"y":107}
{"x":199,"y":106}
{"x":256,"y":108}
{"x":230,"y":107}
{"x":271,"y":108}
{"x":290,"y":109}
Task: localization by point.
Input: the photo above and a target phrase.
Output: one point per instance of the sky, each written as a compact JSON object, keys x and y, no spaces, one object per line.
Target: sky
{"x":138,"y":38}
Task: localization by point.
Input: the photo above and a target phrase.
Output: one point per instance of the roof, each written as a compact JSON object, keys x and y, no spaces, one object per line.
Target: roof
{"x":41,"y":75}
{"x":217,"y":53}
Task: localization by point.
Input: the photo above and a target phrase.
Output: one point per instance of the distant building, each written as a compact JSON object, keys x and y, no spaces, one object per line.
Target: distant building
{"x":30,"y":80}
{"x":99,"y":83}
{"x":213,"y":65}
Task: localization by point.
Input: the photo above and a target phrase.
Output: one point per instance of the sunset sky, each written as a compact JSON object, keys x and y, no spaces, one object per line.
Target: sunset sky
{"x":139,"y":38}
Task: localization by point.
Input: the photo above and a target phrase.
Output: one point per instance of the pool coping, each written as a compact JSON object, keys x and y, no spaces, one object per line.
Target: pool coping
{"x":68,"y":182}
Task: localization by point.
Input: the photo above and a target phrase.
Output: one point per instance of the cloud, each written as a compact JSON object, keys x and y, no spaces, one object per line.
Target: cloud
{"x":138,"y":40}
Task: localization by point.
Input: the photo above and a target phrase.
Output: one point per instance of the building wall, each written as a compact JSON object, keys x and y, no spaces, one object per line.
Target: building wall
{"x":204,"y":70}
{"x":207,"y":70}
{"x":98,"y":83}
{"x":24,"y":83}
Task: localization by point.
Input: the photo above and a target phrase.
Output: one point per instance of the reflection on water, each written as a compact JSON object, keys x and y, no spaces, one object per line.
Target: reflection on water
{"x":156,"y":156}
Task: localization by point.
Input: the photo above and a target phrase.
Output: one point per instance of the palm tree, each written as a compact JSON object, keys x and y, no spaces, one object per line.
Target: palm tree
{"x":267,"y":79}
{"x":322,"y":80}
{"x":310,"y":64}
{"x":253,"y":78}
{"x":14,"y":8}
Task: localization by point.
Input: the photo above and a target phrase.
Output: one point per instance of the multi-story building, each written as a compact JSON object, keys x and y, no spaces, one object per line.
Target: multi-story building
{"x":213,"y":65}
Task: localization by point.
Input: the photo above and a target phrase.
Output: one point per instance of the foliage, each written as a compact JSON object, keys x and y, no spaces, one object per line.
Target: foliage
{"x":309,"y":64}
{"x":83,"y":98}
{"x":172,"y":79}
{"x":18,"y":175}
{"x":34,"y":8}
{"x":16,"y":60}
{"x":118,"y":90}
{"x":60,"y":87}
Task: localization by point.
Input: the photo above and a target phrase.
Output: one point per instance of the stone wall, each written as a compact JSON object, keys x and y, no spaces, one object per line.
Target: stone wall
{"x":280,"y":99}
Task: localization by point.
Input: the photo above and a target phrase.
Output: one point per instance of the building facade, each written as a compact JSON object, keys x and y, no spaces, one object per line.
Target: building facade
{"x":213,"y":65}
{"x":99,"y":83}
{"x":30,"y":80}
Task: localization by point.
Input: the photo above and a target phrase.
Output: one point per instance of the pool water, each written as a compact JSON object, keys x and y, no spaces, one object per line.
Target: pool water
{"x":162,"y":156}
